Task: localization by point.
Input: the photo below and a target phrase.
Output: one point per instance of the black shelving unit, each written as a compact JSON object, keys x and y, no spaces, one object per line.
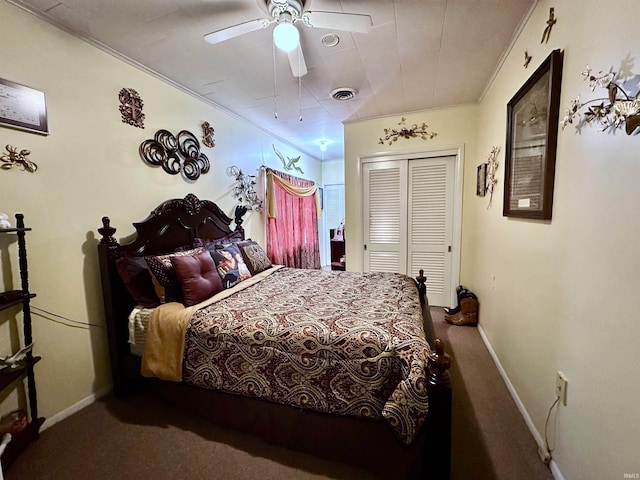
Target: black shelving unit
{"x":9,"y":375}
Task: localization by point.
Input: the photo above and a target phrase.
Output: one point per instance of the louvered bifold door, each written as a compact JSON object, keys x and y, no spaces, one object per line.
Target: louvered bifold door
{"x":385,"y":216}
{"x":430,"y":221}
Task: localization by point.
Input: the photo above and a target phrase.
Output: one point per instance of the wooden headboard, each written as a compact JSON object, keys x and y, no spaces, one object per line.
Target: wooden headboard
{"x":170,"y":225}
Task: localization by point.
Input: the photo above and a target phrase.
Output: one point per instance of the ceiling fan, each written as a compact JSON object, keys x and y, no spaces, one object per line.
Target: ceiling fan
{"x":286,"y":14}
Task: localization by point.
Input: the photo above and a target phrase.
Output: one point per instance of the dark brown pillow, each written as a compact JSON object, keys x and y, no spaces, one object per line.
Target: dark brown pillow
{"x":136,"y":277}
{"x":198,"y":277}
{"x":162,"y":269}
{"x":254,"y":256}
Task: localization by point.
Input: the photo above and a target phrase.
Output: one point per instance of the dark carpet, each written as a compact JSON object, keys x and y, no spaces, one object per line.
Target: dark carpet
{"x":145,"y":438}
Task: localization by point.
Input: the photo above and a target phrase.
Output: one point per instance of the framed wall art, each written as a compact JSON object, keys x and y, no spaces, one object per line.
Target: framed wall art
{"x":532,"y":134}
{"x":481,"y":180}
{"x":23,"y":108}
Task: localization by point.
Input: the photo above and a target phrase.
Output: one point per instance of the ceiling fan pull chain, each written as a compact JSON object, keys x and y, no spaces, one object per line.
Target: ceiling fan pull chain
{"x":275,"y":89}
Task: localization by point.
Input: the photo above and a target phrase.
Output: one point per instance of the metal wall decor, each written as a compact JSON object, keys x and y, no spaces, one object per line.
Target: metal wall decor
{"x":175,"y":154}
{"x":492,"y":168}
{"x":15,"y":158}
{"x":131,"y":107}
{"x":550,"y":23}
{"x":243,"y":190}
{"x":207,"y":135}
{"x":617,"y":109}
{"x":392,"y":134}
{"x":289,"y":163}
{"x":527,"y":58}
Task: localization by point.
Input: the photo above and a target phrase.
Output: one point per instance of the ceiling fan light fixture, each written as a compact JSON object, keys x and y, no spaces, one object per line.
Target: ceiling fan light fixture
{"x":286,"y":36}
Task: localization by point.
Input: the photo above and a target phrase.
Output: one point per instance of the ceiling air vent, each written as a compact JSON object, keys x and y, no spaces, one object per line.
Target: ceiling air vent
{"x":343,"y":94}
{"x":330,"y":40}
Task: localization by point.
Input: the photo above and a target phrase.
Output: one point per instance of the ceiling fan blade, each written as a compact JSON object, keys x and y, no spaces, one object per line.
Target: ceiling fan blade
{"x":350,"y":22}
{"x":296,"y":59}
{"x":235,"y":31}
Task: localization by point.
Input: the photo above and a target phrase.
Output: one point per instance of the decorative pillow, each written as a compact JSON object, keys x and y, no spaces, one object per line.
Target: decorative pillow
{"x":198,"y":277}
{"x":136,"y":277}
{"x":233,"y":237}
{"x":230,"y":265}
{"x":163,"y":272}
{"x":254,"y":256}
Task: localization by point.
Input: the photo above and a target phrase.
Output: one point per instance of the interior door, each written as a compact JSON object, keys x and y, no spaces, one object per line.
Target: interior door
{"x":385,"y":214}
{"x":408,"y":220}
{"x":430,"y":224}
{"x":332,"y":215}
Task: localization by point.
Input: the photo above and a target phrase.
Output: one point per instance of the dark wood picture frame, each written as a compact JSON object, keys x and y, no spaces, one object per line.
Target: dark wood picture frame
{"x":23,"y":108}
{"x":481,"y":180}
{"x":532,"y":135}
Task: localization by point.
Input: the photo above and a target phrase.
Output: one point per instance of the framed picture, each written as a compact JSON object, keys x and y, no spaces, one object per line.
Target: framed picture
{"x":532,"y":134}
{"x":481,"y":180}
{"x":23,"y":108}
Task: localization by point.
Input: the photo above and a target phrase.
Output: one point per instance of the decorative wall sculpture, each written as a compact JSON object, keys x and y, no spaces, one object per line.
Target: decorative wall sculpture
{"x":207,"y":135}
{"x":15,"y":158}
{"x":616,"y":109}
{"x":289,"y":163}
{"x":243,"y":190}
{"x":492,"y":168}
{"x":392,"y":134}
{"x":131,"y":107}
{"x":175,"y":154}
{"x":550,"y":23}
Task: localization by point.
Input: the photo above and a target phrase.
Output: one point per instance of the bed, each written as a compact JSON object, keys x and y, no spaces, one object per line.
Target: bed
{"x":342,"y":365}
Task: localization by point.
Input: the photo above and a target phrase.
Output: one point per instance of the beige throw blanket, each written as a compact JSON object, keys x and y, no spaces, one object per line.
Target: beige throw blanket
{"x":164,"y":348}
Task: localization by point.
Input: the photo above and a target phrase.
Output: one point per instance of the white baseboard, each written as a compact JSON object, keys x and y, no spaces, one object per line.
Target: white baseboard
{"x":523,"y":411}
{"x":67,"y":412}
{"x":555,"y":471}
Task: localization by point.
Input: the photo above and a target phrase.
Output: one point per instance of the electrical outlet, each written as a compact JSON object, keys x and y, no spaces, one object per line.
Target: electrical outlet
{"x":561,"y":387}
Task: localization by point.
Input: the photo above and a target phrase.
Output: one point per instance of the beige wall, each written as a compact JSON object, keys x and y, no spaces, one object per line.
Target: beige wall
{"x":456,"y":131}
{"x":564,"y":295}
{"x":333,"y":172}
{"x":89,"y":167}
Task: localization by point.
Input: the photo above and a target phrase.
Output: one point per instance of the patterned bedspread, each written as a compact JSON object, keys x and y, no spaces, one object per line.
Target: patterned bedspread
{"x":337,"y":342}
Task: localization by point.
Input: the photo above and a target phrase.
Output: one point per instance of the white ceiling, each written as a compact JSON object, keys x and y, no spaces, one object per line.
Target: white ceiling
{"x":420,"y":54}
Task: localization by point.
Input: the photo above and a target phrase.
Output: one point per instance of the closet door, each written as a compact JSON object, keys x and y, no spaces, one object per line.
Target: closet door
{"x":408,"y":220}
{"x":430,"y":224}
{"x":385,"y":215}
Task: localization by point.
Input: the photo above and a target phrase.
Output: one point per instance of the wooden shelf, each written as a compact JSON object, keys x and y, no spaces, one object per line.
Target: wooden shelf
{"x":9,"y":375}
{"x":15,"y":230}
{"x":18,"y":297}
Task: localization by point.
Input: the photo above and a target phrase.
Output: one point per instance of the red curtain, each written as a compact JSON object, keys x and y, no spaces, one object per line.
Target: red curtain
{"x":292,"y":235}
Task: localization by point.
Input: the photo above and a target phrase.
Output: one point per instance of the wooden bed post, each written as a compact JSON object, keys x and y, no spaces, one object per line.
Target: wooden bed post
{"x":113,"y":293}
{"x":421,"y":282}
{"x":437,"y":457}
{"x":107,"y":249}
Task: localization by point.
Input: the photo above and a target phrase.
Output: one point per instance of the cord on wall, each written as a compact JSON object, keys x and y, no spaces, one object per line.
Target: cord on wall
{"x":76,"y":323}
{"x":547,"y":455}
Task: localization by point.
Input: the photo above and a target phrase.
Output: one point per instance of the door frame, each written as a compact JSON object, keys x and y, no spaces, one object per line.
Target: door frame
{"x":458,"y":170}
